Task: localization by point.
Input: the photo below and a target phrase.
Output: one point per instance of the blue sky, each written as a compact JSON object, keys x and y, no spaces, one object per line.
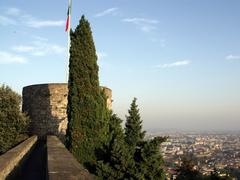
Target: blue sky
{"x":180,"y":58}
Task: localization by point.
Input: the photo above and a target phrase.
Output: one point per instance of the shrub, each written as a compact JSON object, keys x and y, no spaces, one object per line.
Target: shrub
{"x":13,"y":123}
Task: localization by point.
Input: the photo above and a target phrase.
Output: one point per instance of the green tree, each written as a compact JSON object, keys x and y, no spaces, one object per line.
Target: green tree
{"x":87,"y":112}
{"x":115,"y":160}
{"x":145,"y":153}
{"x":13,"y":123}
{"x":148,"y":159}
{"x":187,"y":170}
{"x":133,"y":127}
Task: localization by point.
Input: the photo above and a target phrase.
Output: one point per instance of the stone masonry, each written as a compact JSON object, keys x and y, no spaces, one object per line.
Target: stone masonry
{"x":108,"y":94}
{"x":46,"y":105}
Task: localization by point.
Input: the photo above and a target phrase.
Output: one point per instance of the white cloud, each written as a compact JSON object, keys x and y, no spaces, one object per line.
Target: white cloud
{"x":38,"y":38}
{"x":141,"y":21}
{"x":145,"y":25}
{"x":40,"y":48}
{"x":147,"y":28}
{"x":175,"y":64}
{"x":57,"y":49}
{"x":13,"y":11}
{"x":23,"y":48}
{"x":5,"y":21}
{"x":110,"y":11}
{"x":232,"y":57}
{"x":8,"y":58}
{"x":101,"y":55}
{"x":21,"y":18}
{"x":34,"y":23}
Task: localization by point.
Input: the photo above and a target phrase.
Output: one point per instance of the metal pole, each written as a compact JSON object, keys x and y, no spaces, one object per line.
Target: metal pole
{"x":69,"y":38}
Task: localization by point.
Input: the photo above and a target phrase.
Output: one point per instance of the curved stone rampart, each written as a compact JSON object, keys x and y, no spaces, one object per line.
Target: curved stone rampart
{"x":46,"y":105}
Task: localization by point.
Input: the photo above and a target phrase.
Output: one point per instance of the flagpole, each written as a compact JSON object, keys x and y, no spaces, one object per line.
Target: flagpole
{"x":69,"y":38}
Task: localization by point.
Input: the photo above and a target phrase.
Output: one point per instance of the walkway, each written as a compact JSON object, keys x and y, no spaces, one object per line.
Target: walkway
{"x":35,"y":168}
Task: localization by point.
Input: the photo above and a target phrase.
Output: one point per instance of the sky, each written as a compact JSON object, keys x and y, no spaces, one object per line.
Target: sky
{"x":179,"y":58}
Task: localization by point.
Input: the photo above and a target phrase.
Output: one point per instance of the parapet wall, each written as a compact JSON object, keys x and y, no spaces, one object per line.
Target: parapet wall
{"x":62,"y":164}
{"x":9,"y":162}
{"x":46,"y":104}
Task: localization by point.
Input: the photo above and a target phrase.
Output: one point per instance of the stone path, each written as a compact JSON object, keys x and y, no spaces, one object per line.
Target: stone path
{"x":35,"y":168}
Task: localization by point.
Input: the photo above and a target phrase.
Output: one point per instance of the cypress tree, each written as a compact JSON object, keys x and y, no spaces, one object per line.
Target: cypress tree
{"x":87,"y":113}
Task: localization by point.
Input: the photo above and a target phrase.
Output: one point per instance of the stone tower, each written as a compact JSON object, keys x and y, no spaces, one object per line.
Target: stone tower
{"x":46,"y":105}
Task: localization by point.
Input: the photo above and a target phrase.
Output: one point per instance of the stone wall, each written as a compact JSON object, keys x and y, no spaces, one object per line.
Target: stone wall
{"x":10,"y":161}
{"x":46,"y":104}
{"x":62,"y":164}
{"x":108,"y":94}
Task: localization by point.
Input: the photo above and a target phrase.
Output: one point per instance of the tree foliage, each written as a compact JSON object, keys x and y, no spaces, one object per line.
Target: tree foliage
{"x":133,"y":126}
{"x":13,"y":123}
{"x":96,"y":138}
{"x":146,"y":154}
{"x":187,"y":170}
{"x":115,"y":159}
{"x":87,"y":112}
{"x":148,"y":159}
{"x":127,"y":155}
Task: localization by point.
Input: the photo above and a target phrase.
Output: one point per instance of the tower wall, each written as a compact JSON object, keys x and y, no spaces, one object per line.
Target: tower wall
{"x":46,"y":105}
{"x":108,"y":94}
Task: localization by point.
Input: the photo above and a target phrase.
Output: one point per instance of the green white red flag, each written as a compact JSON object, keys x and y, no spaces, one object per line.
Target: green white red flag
{"x":67,"y":29}
{"x":68,"y":16}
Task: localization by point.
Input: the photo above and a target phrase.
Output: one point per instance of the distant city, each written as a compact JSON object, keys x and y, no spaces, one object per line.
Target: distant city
{"x":218,"y":151}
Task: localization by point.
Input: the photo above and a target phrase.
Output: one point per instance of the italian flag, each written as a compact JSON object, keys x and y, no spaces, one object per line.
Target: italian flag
{"x":68,"y":16}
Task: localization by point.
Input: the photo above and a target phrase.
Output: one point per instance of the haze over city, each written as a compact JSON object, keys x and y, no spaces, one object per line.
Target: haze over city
{"x":181,"y":59}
